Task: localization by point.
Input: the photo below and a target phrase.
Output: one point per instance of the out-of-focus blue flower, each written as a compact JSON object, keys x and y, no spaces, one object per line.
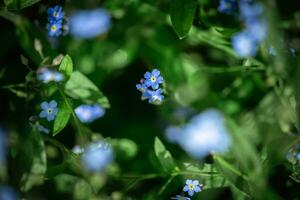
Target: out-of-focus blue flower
{"x":89,"y":24}
{"x":250,"y":11}
{"x":2,"y":147}
{"x":49,"y":110}
{"x":42,"y":129}
{"x":54,"y":28}
{"x":204,"y":134}
{"x":153,"y":79}
{"x":155,"y":97}
{"x":178,"y":197}
{"x":173,"y":133}
{"x":192,"y":186}
{"x":244,"y":44}
{"x":257,"y":29}
{"x":46,"y":75}
{"x":89,"y":113}
{"x":8,"y":193}
{"x":227,"y":6}
{"x":97,"y":156}
{"x":77,"y":149}
{"x":55,"y":13}
{"x":143,"y":89}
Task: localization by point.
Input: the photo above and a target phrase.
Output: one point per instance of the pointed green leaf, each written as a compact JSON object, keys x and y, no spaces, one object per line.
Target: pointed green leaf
{"x":182,"y":16}
{"x":62,"y":117}
{"x":164,"y":157}
{"x":66,"y":66}
{"x":81,"y":88}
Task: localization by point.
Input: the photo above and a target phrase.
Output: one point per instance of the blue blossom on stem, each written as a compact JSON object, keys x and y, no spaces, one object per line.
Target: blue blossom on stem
{"x":54,"y":28}
{"x":89,"y":113}
{"x":257,"y":29}
{"x":89,"y":24}
{"x":42,"y":129}
{"x":143,"y":89}
{"x":155,"y":97}
{"x":49,"y":110}
{"x":97,"y":156}
{"x":204,"y":134}
{"x":227,"y":6}
{"x":46,"y":75}
{"x":153,"y":79}
{"x":55,"y":13}
{"x":192,"y":186}
{"x":244,"y":44}
{"x":178,"y":197}
{"x":8,"y":193}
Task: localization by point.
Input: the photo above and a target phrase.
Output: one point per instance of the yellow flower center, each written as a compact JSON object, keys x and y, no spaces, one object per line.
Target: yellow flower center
{"x":49,"y":111}
{"x":153,"y":78}
{"x":143,"y":90}
{"x":53,"y":28}
{"x":191,"y":186}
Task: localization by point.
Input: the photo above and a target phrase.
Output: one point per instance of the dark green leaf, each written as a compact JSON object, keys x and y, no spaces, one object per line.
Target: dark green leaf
{"x":66,"y":66}
{"x":164,"y":157}
{"x":81,"y":88}
{"x":182,"y":16}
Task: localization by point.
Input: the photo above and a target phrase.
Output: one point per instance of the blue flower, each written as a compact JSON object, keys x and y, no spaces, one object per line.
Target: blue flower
{"x":2,"y":147}
{"x":257,"y":29}
{"x":244,"y":44}
{"x":192,"y":186}
{"x":89,"y":113}
{"x":55,"y":13}
{"x":250,"y":11}
{"x":143,"y":89}
{"x":97,"y":156}
{"x":153,"y":79}
{"x":77,"y":149}
{"x":172,"y":134}
{"x":227,"y":6}
{"x":178,"y":197}
{"x":155,"y":97}
{"x":89,"y":24}
{"x":8,"y":193}
{"x":204,"y":134}
{"x":54,"y":28}
{"x":47,"y":76}
{"x":49,"y":110}
{"x":42,"y":129}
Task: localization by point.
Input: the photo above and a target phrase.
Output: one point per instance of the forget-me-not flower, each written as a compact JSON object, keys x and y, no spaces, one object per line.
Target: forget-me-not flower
{"x":244,"y":44}
{"x":8,"y":193}
{"x":155,"y":96}
{"x":42,"y":129}
{"x":143,"y":89}
{"x":49,"y":110}
{"x":97,"y":156}
{"x":89,"y":113}
{"x":153,"y":79}
{"x":192,"y":186}
{"x":89,"y":23}
{"x":46,"y":75}
{"x":204,"y":134}
{"x":54,"y":28}
{"x":55,"y":13}
{"x":227,"y":6}
{"x":179,"y":197}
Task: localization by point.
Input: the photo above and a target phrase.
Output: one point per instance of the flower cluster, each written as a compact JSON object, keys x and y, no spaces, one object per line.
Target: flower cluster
{"x":227,"y":6}
{"x":55,"y":21}
{"x":89,"y":24}
{"x":149,"y":87}
{"x":46,"y":75}
{"x":89,"y":113}
{"x":246,"y":42}
{"x":97,"y":156}
{"x":204,"y":134}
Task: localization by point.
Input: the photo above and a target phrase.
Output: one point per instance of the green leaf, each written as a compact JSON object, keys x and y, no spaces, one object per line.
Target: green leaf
{"x":164,"y":157}
{"x":62,"y":117}
{"x":19,"y":4}
{"x":66,"y":66}
{"x":182,"y":16}
{"x":81,"y":88}
{"x":125,"y":149}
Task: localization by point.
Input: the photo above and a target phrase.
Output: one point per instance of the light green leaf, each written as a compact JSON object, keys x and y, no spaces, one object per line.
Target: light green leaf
{"x":62,"y":117}
{"x":81,"y":88}
{"x":125,"y":149}
{"x":66,"y":66}
{"x":164,"y":157}
{"x":182,"y":16}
